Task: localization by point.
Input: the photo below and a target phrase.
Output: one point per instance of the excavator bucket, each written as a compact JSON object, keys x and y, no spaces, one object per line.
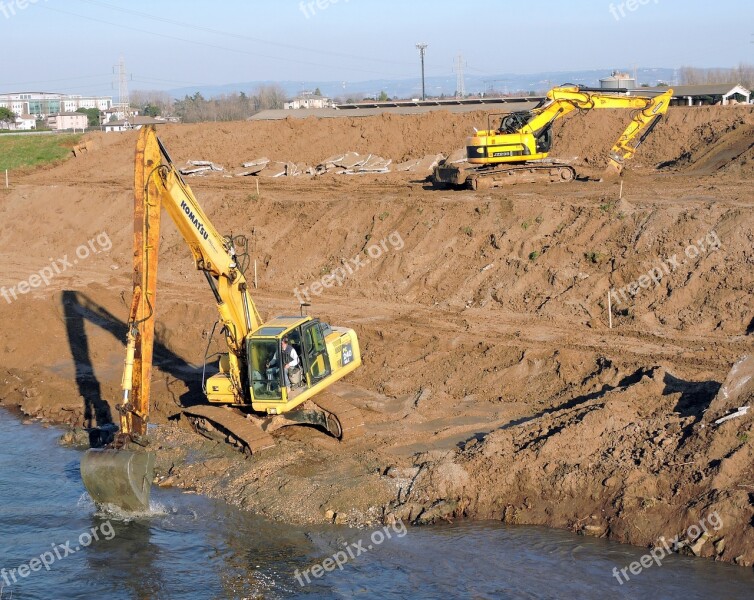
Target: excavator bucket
{"x":119,"y":477}
{"x":613,"y":170}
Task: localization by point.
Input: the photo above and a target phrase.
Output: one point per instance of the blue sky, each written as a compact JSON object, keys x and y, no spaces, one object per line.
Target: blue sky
{"x":72,"y":45}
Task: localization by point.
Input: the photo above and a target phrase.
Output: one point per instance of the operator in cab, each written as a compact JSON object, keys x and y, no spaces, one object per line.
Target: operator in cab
{"x":290,"y":360}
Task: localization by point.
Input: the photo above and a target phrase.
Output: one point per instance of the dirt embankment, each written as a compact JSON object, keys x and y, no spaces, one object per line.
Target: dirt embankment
{"x":492,"y":386}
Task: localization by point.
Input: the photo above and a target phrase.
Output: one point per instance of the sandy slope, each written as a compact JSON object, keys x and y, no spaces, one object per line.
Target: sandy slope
{"x":492,"y":386}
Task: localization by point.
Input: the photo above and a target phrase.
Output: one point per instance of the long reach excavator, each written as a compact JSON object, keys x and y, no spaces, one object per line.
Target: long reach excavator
{"x":257,"y":387}
{"x":517,"y":151}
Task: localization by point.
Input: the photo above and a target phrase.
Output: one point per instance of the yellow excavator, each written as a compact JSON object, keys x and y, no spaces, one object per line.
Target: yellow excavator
{"x":517,"y":150}
{"x":257,"y":387}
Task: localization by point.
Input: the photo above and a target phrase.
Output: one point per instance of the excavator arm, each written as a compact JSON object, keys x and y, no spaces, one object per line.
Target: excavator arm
{"x":159,"y":185}
{"x":118,"y":475}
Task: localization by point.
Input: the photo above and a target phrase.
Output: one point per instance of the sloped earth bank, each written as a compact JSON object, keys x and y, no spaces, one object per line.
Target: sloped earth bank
{"x":492,"y":385}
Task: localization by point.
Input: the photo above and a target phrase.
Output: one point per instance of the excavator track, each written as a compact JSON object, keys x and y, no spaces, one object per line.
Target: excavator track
{"x":501,"y":175}
{"x":229,"y":425}
{"x":344,"y":421}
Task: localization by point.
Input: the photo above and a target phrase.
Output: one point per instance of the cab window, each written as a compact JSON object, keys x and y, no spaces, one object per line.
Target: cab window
{"x":315,"y":352}
{"x":265,"y":371}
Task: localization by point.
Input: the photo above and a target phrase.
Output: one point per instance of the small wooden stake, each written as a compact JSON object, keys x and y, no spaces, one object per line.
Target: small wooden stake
{"x":6,"y":178}
{"x":255,"y":270}
{"x":609,"y":309}
{"x":620,"y":197}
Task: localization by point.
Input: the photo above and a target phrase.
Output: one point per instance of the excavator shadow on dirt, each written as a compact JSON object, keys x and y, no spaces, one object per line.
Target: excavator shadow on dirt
{"x":77,"y":310}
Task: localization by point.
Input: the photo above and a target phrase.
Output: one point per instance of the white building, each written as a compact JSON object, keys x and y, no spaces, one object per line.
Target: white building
{"x":131,"y":123}
{"x":26,"y":122}
{"x":68,"y":120}
{"x":308,"y":102}
{"x":44,"y":104}
{"x":703,"y":95}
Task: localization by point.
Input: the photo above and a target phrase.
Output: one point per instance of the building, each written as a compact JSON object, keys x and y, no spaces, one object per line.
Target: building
{"x":26,"y":122}
{"x":44,"y":104}
{"x":723,"y":93}
{"x":22,"y":123}
{"x":308,"y":101}
{"x":68,"y":120}
{"x":131,"y":123}
{"x":704,"y":95}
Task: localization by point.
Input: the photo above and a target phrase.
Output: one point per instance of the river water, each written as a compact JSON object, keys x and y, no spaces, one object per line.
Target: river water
{"x":61,"y":547}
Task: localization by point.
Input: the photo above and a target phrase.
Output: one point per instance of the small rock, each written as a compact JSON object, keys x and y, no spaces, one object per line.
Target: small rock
{"x":330,"y":515}
{"x":696,"y":547}
{"x":75,"y":437}
{"x":720,"y":546}
{"x":166,"y":482}
{"x":594,"y":530}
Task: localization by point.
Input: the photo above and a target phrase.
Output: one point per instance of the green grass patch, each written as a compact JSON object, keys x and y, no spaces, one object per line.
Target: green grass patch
{"x":33,"y":150}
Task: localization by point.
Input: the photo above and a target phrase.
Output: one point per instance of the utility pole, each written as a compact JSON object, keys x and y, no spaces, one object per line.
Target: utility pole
{"x":422,"y":47}
{"x":123,"y":99}
{"x":460,"y":83}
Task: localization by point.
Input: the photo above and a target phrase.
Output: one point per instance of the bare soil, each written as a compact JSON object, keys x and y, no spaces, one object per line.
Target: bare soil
{"x":492,"y":385}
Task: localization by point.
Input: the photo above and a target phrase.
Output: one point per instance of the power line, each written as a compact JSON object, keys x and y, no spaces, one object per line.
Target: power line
{"x":40,"y":81}
{"x":188,"y":41}
{"x":227,"y":34}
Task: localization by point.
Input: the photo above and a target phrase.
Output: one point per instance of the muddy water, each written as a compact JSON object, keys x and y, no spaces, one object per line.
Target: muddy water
{"x":189,"y":547}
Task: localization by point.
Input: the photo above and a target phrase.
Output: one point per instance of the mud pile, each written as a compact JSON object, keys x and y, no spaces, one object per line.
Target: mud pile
{"x":635,"y":459}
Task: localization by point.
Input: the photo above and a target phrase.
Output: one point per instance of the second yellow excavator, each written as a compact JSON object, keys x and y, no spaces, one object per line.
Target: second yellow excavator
{"x":517,"y":151}
{"x":273,"y":374}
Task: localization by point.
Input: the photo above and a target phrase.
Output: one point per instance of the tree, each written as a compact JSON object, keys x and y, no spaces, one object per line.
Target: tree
{"x":162,"y":101}
{"x":317,"y":92}
{"x":7,"y":116}
{"x":383,"y":97}
{"x":150,"y":110}
{"x":92,"y":115}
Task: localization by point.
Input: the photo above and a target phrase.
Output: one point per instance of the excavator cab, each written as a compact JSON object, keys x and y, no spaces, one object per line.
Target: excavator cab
{"x":325,"y":354}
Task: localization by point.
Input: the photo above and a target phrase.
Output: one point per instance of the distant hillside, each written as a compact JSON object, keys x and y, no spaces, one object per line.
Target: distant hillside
{"x":407,"y":88}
